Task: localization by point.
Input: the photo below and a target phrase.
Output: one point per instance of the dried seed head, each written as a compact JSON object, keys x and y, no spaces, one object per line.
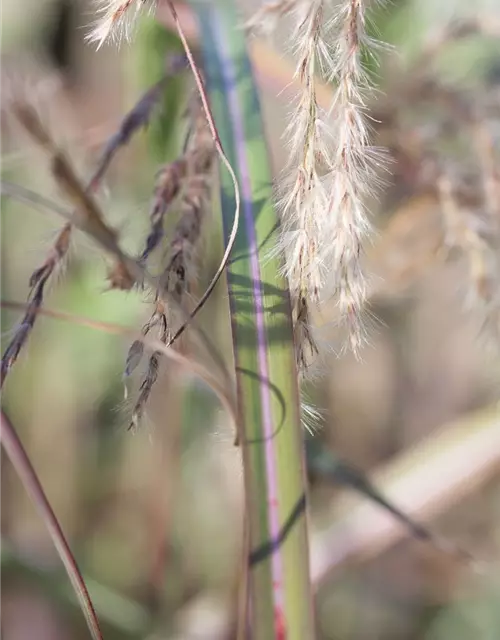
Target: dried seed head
{"x":194,"y":201}
{"x":24,"y":328}
{"x":181,"y":175}
{"x":181,"y":268}
{"x":145,"y":390}
{"x":184,"y":184}
{"x":463,"y":232}
{"x":134,"y":356}
{"x":168,"y":185}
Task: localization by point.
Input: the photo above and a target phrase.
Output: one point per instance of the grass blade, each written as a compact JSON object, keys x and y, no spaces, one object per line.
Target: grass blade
{"x":24,"y":469}
{"x":270,"y":429}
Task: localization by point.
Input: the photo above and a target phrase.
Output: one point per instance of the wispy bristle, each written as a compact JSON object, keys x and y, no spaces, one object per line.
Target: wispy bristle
{"x":116,"y":19}
{"x":311,"y":416}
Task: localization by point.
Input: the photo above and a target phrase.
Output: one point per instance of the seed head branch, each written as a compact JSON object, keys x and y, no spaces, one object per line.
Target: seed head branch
{"x":58,"y":252}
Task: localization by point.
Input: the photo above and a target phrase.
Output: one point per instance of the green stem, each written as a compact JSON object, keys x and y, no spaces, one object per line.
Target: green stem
{"x":269,"y":412}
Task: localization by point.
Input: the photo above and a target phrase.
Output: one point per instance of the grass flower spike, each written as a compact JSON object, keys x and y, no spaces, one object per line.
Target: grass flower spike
{"x":304,"y":204}
{"x":352,"y":165}
{"x":332,"y":167}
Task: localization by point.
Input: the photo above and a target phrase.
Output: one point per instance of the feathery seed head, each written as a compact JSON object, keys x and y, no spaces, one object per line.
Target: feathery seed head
{"x":331,"y":168}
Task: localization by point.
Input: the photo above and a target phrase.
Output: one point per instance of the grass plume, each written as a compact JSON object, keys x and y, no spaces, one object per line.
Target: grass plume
{"x":332,"y":167}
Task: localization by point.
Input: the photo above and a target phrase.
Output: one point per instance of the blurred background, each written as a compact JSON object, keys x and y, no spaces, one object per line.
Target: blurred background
{"x":154,"y":516}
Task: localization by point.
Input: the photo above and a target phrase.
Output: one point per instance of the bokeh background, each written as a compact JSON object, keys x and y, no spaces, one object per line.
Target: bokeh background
{"x":154,"y":516}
